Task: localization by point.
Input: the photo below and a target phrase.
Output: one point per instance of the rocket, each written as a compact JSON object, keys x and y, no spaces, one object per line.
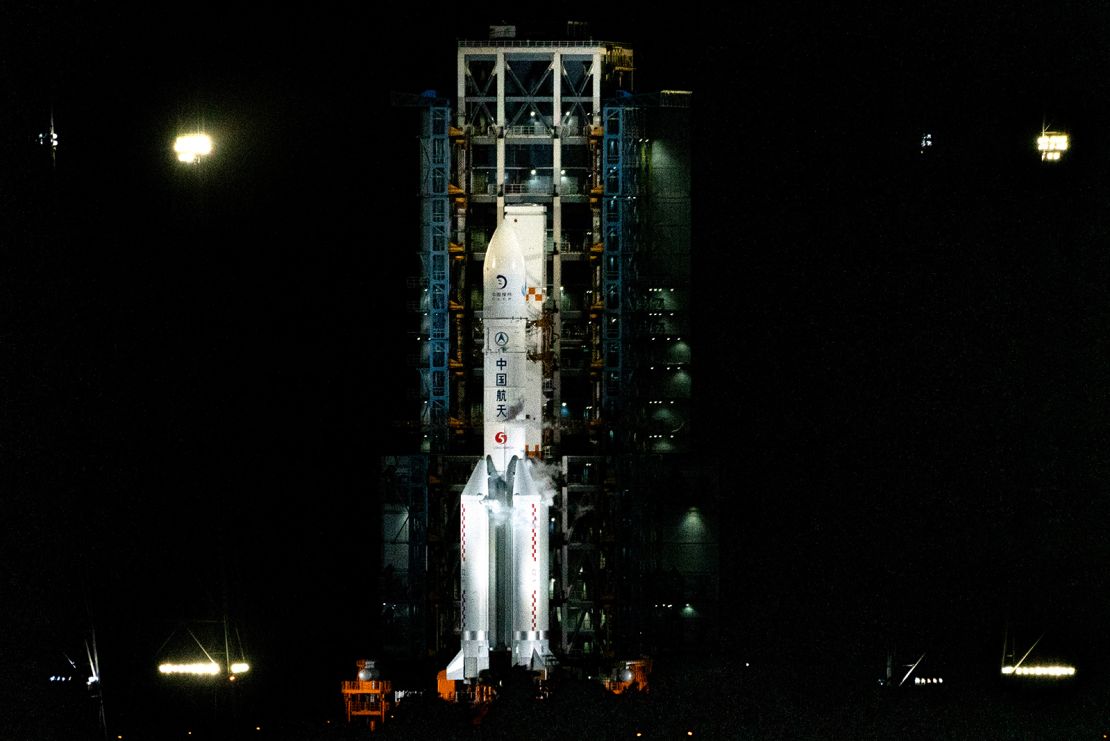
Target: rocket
{"x":503,"y":516}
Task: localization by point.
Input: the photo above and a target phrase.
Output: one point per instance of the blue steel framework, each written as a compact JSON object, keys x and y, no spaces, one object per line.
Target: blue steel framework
{"x":435,"y":230}
{"x":622,"y":162}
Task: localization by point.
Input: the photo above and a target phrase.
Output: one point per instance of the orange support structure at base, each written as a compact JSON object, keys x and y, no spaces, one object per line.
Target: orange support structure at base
{"x":445,"y":686}
{"x":371,"y":699}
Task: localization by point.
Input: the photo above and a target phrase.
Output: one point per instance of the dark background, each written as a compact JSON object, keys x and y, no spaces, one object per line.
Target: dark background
{"x":901,"y":360}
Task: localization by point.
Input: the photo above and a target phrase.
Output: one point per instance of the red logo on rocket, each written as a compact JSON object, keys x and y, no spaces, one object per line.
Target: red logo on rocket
{"x":500,"y":438}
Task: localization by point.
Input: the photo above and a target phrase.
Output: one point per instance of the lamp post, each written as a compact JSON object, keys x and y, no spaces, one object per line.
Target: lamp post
{"x":192,"y":149}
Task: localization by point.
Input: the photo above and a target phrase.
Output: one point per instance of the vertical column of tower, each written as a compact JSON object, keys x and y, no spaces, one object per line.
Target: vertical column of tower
{"x":556,"y":230}
{"x":499,"y":70}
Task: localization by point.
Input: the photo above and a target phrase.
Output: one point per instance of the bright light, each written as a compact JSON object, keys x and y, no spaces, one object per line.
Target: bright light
{"x":1052,"y":145}
{"x":240,"y":667}
{"x":1046,"y":670}
{"x":191,"y":147}
{"x":198,"y":668}
{"x":1052,"y":142}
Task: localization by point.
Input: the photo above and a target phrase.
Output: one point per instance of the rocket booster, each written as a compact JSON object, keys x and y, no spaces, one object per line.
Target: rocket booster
{"x":503,"y":528}
{"x":476,"y":601}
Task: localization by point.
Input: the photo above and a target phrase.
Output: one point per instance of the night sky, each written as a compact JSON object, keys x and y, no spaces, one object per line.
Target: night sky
{"x":902,"y":361}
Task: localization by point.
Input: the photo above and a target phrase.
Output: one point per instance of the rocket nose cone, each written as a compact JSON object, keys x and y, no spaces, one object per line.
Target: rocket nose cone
{"x":504,"y":254}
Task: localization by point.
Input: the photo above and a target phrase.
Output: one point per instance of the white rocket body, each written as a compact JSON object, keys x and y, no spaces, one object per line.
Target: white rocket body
{"x":503,"y":527}
{"x":505,"y":321}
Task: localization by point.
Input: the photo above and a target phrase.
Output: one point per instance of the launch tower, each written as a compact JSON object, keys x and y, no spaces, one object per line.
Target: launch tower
{"x":553,"y":130}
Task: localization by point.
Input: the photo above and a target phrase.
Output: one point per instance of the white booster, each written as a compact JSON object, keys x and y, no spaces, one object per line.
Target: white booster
{"x":503,"y":523}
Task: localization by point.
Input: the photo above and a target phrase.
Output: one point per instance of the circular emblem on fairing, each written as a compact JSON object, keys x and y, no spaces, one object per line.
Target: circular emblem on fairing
{"x":501,"y":339}
{"x":502,"y":281}
{"x":500,"y":438}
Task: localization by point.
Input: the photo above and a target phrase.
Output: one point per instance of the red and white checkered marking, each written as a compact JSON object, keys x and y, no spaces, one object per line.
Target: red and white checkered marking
{"x":534,"y":294}
{"x":534,"y":560}
{"x":533,"y":533}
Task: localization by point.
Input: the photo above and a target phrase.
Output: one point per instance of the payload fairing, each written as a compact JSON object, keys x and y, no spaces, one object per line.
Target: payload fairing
{"x":503,"y":517}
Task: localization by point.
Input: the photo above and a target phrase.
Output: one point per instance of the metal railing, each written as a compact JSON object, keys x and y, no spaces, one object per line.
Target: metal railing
{"x":529,"y":43}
